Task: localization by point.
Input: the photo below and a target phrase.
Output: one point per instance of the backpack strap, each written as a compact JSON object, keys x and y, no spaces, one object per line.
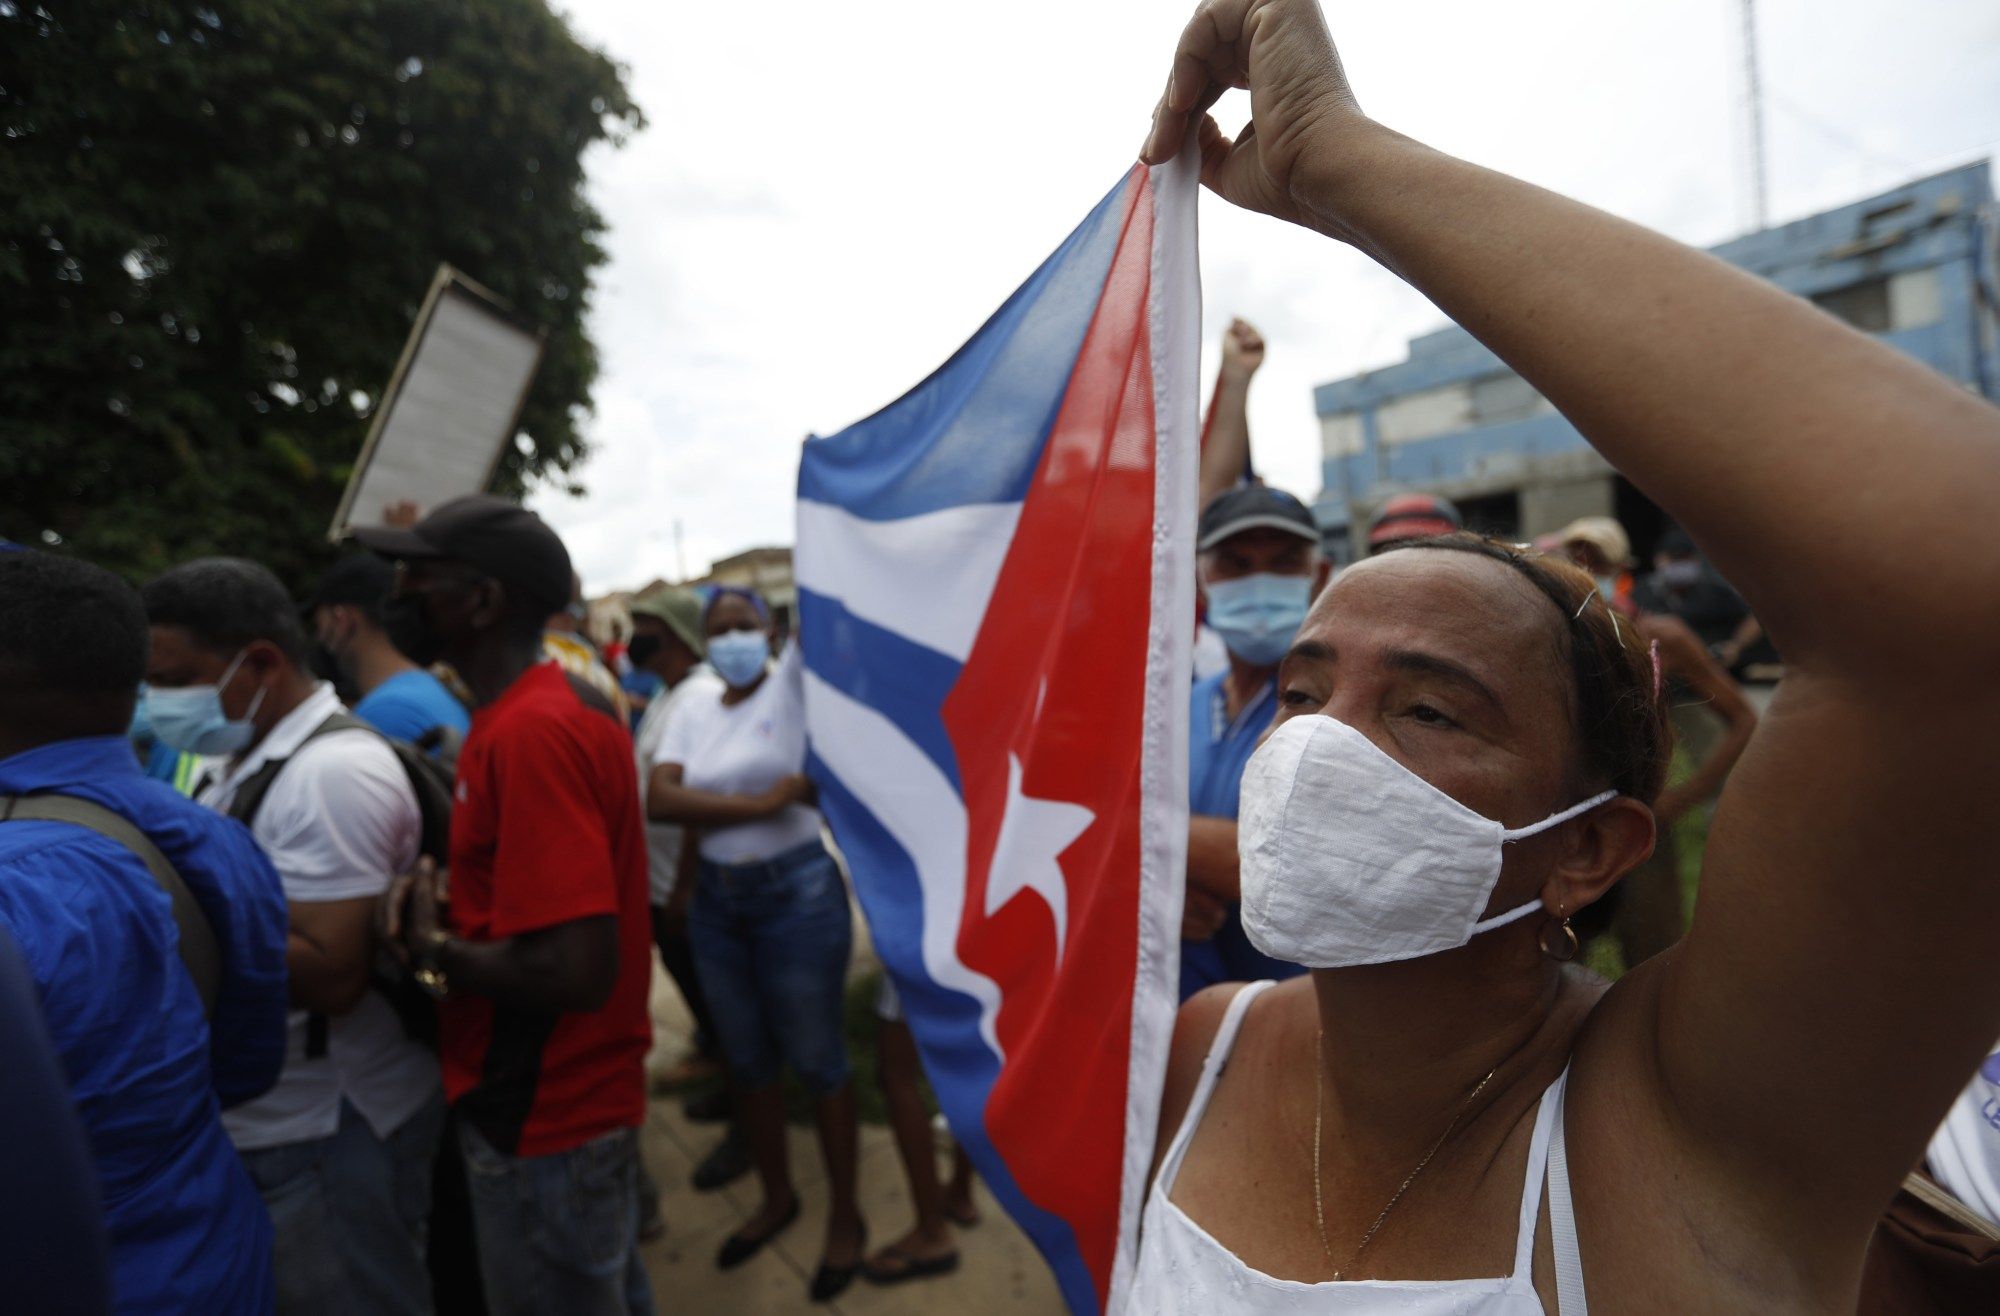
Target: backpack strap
{"x":250,"y":792}
{"x":249,"y":798}
{"x":197,"y":939}
{"x":1932,"y":1194}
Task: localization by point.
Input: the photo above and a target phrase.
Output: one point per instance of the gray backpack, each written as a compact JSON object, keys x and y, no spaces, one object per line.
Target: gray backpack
{"x":197,"y":939}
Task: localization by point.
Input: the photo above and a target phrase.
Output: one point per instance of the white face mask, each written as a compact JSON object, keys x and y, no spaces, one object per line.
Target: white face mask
{"x":1351,"y":858}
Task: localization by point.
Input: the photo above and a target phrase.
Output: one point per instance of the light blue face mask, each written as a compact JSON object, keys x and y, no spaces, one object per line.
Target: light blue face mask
{"x":1259,"y":616}
{"x":190,"y":718}
{"x":142,"y":725}
{"x":739,"y":656}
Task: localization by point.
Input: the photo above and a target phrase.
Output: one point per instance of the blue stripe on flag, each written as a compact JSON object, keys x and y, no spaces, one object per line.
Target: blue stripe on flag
{"x":945,"y":1022}
{"x":898,"y":678}
{"x":961,"y":436}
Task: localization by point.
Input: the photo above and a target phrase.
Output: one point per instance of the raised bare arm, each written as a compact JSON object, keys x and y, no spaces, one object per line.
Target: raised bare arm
{"x":1225,"y":448}
{"x":1835,"y":988}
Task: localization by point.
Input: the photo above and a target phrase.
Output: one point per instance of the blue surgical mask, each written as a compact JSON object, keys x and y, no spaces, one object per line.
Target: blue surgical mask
{"x":1259,"y":616}
{"x":739,"y":656}
{"x":190,"y":718}
{"x":142,"y":725}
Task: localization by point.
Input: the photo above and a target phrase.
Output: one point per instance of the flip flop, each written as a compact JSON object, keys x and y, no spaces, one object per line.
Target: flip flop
{"x":970,"y":1220}
{"x":913,"y":1267}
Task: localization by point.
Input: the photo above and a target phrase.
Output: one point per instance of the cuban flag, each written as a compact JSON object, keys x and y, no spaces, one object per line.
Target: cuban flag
{"x":996,"y":578}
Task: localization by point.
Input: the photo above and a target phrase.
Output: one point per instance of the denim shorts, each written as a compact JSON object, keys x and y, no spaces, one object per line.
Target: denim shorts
{"x":771,"y":943}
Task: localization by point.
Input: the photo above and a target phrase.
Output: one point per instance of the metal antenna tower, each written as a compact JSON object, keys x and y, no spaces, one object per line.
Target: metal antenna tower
{"x":1754,"y":95}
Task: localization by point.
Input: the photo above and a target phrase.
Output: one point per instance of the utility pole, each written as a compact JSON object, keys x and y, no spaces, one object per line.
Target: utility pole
{"x":680,"y":558}
{"x":1754,"y":92}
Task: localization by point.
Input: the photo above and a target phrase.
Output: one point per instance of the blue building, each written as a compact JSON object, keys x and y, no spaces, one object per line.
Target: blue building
{"x":1915,"y":266}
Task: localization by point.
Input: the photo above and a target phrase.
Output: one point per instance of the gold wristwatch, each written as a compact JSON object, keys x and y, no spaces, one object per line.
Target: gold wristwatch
{"x":428,"y":975}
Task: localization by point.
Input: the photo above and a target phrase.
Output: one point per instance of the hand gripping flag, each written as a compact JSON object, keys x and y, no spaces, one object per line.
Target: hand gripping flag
{"x":996,"y":578}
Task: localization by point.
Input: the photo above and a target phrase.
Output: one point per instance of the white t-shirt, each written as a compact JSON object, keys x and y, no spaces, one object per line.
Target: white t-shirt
{"x":339,"y":821}
{"x":743,"y":749}
{"x":663,"y":840}
{"x":1964,"y":1153}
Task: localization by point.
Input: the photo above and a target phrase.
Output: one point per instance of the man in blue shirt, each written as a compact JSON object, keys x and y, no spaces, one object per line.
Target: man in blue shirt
{"x":390,"y":693}
{"x":1260,"y":566}
{"x":149,"y":1074}
{"x":52,"y":1245}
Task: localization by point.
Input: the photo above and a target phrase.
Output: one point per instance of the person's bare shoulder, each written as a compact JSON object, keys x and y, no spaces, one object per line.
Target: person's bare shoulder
{"x":1195,"y":1027}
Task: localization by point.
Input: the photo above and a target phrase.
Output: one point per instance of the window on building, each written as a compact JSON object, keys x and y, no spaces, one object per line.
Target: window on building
{"x":1888,"y":303}
{"x":1497,"y":399}
{"x":1425,"y":414}
{"x":1864,"y":305}
{"x":1497,"y":514}
{"x":1340,"y":434}
{"x":1916,"y":297}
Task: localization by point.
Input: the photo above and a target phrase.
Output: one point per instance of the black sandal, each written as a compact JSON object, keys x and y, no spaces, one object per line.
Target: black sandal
{"x":736,"y":1249}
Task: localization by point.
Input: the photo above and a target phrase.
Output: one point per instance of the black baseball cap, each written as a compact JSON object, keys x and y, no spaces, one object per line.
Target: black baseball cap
{"x":491,"y":535}
{"x":1253,"y":507}
{"x":360,"y":580}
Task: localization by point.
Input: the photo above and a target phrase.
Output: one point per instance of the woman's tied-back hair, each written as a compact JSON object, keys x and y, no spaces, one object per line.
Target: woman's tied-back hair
{"x":1621,"y":721}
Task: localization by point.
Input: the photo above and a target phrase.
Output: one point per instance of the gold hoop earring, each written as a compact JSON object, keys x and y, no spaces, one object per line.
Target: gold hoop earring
{"x":1566,"y":949}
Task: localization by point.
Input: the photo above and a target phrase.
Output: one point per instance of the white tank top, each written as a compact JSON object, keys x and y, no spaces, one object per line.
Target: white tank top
{"x":1183,"y":1271}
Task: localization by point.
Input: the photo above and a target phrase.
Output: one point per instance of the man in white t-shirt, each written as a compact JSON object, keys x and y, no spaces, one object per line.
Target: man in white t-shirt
{"x":341,"y":1148}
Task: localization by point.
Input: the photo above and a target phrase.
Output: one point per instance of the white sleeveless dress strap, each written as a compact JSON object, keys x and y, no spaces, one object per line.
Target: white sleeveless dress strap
{"x":1562,"y":1212}
{"x":1183,"y":1270}
{"x":1531,"y":1190}
{"x":1211,"y":1068}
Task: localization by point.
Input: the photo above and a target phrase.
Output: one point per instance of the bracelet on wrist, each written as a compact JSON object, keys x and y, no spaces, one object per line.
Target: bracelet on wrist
{"x":428,"y":974}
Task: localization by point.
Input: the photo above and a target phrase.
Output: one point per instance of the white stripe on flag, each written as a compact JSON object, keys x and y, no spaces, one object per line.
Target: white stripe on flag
{"x":1174,"y":327}
{"x":922,"y":812}
{"x":945,"y":562}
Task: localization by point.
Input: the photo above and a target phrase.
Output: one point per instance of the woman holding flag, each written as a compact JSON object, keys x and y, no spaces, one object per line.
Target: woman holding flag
{"x":1442,"y":1117}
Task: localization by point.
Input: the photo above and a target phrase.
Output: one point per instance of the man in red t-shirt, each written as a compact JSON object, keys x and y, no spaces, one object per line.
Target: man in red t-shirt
{"x":541,"y":953}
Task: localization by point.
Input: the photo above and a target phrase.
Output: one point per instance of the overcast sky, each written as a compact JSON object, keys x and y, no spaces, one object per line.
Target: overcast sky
{"x":830,"y":198}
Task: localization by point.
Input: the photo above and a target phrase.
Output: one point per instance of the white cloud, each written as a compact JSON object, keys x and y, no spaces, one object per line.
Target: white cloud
{"x":830,"y":198}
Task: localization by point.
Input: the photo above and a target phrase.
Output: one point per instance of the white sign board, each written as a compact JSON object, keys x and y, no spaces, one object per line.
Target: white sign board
{"x":450,"y":409}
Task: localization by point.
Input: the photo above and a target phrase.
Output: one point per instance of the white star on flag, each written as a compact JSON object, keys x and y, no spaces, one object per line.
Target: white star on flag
{"x":1033,"y":833}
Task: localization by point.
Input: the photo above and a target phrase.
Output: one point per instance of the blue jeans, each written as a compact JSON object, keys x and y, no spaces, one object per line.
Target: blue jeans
{"x":348,"y":1215}
{"x":559,"y":1234}
{"x":771,"y":942}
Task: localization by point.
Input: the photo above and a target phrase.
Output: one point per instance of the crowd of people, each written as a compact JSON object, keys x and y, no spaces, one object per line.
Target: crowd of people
{"x":328,"y":915}
{"x":378,"y":1043}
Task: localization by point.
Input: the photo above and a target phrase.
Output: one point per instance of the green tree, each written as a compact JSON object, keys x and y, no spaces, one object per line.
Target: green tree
{"x":217,"y":223}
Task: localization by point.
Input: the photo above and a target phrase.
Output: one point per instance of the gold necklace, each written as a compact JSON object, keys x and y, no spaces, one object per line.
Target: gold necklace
{"x":1319,"y":1198}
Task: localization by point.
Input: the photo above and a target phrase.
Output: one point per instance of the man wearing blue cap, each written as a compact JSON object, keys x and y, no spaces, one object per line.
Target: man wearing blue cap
{"x":1259,"y":568}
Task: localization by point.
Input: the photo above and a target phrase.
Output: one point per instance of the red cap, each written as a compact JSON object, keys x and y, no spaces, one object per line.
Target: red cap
{"x":1413,"y":516}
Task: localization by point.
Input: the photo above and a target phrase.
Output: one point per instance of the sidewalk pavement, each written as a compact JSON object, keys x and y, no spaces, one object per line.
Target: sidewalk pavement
{"x":999,"y":1270}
